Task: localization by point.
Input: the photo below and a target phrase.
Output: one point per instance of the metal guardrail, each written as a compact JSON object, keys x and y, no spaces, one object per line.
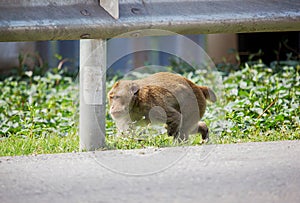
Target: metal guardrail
{"x":32,"y":20}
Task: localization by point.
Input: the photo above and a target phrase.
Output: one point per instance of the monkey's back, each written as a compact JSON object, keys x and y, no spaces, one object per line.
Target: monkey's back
{"x":188,"y":94}
{"x":164,"y":79}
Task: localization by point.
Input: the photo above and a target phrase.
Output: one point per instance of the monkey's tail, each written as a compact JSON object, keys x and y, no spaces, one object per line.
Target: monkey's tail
{"x":208,"y":93}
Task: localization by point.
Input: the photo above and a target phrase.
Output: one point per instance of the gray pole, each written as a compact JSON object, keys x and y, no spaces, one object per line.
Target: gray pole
{"x":92,"y":93}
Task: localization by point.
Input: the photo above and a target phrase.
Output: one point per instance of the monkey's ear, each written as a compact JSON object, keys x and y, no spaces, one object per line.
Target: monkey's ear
{"x":134,"y":88}
{"x":116,"y":84}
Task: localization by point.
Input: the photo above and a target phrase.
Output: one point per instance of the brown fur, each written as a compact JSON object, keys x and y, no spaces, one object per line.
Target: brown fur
{"x":163,"y":97}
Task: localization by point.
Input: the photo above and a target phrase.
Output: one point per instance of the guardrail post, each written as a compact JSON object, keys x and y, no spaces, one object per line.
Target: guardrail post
{"x":92,"y":93}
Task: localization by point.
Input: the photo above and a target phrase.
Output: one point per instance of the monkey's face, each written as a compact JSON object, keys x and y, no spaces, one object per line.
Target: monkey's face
{"x":120,"y":97}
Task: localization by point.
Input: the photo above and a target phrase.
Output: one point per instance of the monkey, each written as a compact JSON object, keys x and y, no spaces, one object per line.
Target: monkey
{"x":162,"y":97}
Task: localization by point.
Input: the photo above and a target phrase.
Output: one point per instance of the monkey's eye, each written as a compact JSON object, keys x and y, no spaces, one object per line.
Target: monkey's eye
{"x":115,"y":97}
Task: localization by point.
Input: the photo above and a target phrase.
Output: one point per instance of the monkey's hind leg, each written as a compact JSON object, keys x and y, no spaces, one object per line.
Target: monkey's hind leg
{"x":203,"y":130}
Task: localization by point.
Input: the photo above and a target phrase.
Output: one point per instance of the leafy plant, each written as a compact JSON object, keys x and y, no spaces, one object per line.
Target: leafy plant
{"x":262,"y":103}
{"x":42,"y":108}
{"x":39,"y":114}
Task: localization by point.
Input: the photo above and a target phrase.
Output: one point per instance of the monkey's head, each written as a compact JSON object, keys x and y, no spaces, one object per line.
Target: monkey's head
{"x":121,"y":98}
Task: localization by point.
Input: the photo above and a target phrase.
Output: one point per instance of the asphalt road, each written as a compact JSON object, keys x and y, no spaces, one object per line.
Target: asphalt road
{"x":250,"y":172}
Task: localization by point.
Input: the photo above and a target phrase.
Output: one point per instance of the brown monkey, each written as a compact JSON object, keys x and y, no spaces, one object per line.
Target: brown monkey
{"x":162,"y":97}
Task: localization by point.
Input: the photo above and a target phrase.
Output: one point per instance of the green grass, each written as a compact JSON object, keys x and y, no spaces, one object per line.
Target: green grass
{"x":14,"y":145}
{"x":39,"y":114}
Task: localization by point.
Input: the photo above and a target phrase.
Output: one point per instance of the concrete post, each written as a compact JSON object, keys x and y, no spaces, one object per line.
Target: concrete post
{"x":92,"y":93}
